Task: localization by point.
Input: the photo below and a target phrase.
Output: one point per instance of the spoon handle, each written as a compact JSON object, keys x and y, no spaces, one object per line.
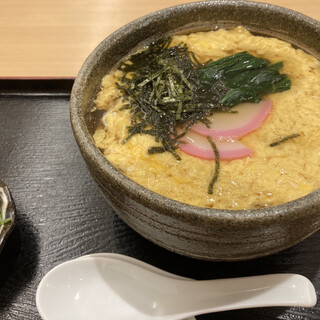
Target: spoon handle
{"x":248,"y":292}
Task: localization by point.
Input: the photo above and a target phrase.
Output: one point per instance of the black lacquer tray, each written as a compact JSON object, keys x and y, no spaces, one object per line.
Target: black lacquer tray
{"x":62,"y":215}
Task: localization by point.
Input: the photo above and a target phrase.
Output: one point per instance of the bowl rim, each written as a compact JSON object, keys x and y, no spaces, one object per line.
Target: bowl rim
{"x":150,"y":198}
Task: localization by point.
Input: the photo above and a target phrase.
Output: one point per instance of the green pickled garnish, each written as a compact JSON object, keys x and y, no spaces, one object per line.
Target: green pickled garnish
{"x":5,"y":221}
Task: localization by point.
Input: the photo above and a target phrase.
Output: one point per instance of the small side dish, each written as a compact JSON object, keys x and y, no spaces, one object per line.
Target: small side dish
{"x":222,"y":119}
{"x":7,"y":213}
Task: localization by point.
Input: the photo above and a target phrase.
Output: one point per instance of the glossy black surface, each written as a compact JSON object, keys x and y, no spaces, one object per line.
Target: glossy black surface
{"x":62,"y":215}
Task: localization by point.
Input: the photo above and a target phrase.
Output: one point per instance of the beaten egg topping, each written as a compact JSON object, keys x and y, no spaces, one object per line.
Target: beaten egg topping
{"x":273,"y":175}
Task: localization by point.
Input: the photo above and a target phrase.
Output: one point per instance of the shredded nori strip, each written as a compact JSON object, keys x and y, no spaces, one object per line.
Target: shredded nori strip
{"x":217,"y":168}
{"x":276,"y":143}
{"x":162,"y":90}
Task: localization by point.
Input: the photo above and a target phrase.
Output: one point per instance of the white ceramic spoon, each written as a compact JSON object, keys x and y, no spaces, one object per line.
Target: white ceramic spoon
{"x":108,"y":288}
{"x":136,"y":262}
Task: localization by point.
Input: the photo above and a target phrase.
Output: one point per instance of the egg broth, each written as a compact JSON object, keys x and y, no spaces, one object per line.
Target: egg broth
{"x":273,"y":175}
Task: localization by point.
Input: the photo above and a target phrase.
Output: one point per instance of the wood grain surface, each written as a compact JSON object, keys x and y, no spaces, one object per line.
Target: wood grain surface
{"x":51,"y":39}
{"x":62,"y":215}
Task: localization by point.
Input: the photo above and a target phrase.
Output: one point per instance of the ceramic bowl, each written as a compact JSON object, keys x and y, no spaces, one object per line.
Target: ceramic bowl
{"x":202,"y":233}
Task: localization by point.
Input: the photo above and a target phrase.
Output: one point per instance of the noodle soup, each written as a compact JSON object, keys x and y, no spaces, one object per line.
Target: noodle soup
{"x":268,"y":176}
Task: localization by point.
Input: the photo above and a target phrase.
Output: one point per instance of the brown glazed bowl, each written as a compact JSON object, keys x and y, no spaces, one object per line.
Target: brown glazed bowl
{"x":203,"y":233}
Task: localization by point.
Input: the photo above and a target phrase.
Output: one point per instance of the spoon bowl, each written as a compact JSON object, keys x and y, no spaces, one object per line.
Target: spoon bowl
{"x":117,"y":289}
{"x":136,"y":262}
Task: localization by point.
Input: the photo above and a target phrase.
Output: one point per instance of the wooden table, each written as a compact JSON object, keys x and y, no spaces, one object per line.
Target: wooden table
{"x":51,"y":39}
